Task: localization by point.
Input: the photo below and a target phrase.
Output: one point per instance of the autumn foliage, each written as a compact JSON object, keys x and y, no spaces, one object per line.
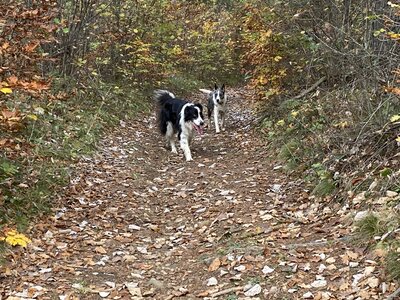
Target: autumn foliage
{"x":68,"y":67}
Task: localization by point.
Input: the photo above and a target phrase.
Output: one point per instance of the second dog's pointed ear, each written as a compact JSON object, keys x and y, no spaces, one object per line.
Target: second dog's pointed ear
{"x":223,"y":87}
{"x":216,"y":86}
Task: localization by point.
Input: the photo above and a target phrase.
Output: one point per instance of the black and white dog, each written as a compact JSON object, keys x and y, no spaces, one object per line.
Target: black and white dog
{"x":181,"y":117}
{"x":216,"y":104}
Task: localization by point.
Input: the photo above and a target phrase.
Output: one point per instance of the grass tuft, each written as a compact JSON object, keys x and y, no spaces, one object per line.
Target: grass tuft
{"x":392,"y":262}
{"x":370,"y":226}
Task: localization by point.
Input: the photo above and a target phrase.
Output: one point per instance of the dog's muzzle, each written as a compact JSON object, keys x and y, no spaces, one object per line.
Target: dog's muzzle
{"x":199,"y":128}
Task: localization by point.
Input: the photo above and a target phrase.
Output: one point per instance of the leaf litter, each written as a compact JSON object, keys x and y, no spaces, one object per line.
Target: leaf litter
{"x":137,"y":222}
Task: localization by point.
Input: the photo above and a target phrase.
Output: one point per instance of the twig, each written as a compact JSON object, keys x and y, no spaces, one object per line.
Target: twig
{"x":317,"y":243}
{"x":227,"y":291}
{"x":394,"y":295}
{"x":311,"y":88}
{"x":294,"y":219}
{"x":370,"y":118}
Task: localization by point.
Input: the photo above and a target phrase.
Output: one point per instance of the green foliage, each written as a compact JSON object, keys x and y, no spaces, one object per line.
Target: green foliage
{"x":324,"y":187}
{"x":371,"y":226}
{"x":295,"y":129}
{"x":392,"y":261}
{"x":146,"y":43}
{"x":61,"y":132}
{"x":7,"y":169}
{"x":183,"y":84}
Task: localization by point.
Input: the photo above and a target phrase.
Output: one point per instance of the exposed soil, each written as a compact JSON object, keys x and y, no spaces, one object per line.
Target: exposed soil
{"x":139,"y":220}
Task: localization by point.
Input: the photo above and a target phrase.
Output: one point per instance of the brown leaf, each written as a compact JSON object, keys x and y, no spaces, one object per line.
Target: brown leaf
{"x":100,"y":249}
{"x":12,"y":80}
{"x":31,"y":47}
{"x":214,"y":265}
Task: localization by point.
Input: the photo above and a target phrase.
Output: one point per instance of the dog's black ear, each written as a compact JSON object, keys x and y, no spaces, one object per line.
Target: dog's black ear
{"x":199,"y":106}
{"x":223,"y":87}
{"x":216,"y":86}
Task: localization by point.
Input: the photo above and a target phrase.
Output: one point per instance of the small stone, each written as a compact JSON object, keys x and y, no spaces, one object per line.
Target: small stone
{"x":142,"y":250}
{"x":353,"y":264}
{"x":255,"y":290}
{"x":321,"y":268}
{"x":104,"y":294}
{"x":391,"y":194}
{"x":276,"y":188}
{"x":240,"y":268}
{"x":319,"y":283}
{"x":308,"y":295}
{"x":361,"y":215}
{"x":133,"y":288}
{"x":133,"y":227}
{"x":267,"y":270}
{"x":212,"y":281}
{"x":156,"y":283}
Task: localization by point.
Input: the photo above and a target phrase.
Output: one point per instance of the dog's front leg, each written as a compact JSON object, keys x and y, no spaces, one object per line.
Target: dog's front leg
{"x":216,"y":112}
{"x":186,"y":150}
{"x":222,"y":114}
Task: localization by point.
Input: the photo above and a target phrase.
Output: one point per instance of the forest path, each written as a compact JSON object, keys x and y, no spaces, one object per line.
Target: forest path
{"x":139,"y":221}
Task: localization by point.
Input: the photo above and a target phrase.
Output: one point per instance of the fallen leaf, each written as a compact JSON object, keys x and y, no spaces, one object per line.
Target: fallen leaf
{"x":100,"y":249}
{"x":254,"y":290}
{"x":216,"y":263}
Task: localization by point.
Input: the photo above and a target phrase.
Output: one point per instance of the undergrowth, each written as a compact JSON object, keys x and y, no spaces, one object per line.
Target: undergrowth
{"x":345,"y":144}
{"x":294,"y":130}
{"x":381,"y":230}
{"x":52,"y":138}
{"x":332,"y":143}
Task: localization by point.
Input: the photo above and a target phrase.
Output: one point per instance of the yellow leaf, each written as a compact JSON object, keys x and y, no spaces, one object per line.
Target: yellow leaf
{"x":342,"y":124}
{"x":294,"y":114}
{"x":280,"y":123}
{"x":393,"y":5}
{"x":395,"y":118}
{"x":135,"y":30}
{"x":6,"y":90}
{"x":398,"y":139}
{"x":32,"y":117}
{"x":15,"y":238}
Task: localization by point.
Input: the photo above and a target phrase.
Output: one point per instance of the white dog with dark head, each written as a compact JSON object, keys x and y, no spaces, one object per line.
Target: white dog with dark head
{"x":216,"y":106}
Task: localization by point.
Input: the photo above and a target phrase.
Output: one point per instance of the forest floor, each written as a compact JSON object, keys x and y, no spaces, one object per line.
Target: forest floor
{"x":137,"y":221}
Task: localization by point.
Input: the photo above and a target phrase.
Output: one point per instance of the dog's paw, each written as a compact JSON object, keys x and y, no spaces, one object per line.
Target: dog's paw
{"x":189,"y":159}
{"x":174,"y":151}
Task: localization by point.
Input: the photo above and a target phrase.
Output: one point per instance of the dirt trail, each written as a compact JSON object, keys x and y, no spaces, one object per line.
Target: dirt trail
{"x":139,"y":220}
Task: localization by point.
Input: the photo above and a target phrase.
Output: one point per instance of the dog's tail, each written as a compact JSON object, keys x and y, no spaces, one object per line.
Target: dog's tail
{"x":205,"y":91}
{"x":162,"y":96}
